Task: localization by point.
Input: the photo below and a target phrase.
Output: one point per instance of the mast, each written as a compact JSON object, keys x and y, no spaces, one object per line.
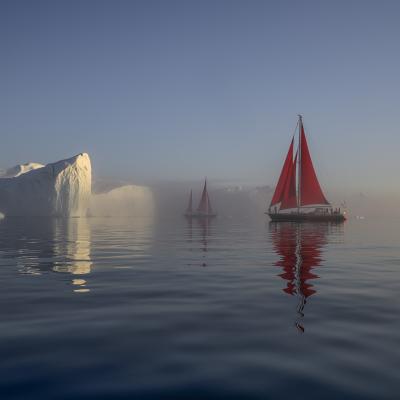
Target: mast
{"x":206,"y":198}
{"x":299,"y":166}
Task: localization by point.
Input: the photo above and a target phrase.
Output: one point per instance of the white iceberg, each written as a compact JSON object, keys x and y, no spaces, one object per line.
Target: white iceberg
{"x":62,"y":188}
{"x":19,"y":170}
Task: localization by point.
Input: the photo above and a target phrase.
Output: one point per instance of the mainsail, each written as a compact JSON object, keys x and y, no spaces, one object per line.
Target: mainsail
{"x":204,"y":205}
{"x":210,"y":211}
{"x":310,"y":189}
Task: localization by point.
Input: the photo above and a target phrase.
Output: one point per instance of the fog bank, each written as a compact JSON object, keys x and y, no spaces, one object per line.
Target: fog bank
{"x":124,"y":201}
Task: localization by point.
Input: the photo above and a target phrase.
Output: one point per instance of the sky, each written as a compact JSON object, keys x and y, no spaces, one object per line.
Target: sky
{"x":179,"y":90}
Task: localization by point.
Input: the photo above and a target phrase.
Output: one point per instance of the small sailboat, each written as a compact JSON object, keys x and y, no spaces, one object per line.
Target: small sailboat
{"x":204,"y":210}
{"x":298,"y":195}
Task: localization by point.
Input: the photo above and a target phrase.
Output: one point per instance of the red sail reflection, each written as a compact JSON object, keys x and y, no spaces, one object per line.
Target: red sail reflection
{"x":204,"y":231}
{"x":199,"y":230}
{"x":299,"y":247}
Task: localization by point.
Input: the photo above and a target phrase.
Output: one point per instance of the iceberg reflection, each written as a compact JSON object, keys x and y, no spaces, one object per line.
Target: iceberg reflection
{"x":72,"y":246}
{"x":40,"y":245}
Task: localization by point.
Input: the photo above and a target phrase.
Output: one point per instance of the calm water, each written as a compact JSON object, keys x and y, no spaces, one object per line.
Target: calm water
{"x":239,"y":309}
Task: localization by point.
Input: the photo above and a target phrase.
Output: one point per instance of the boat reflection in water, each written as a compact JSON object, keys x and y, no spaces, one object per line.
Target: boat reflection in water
{"x":199,"y":231}
{"x":300,"y":249}
{"x":204,"y":231}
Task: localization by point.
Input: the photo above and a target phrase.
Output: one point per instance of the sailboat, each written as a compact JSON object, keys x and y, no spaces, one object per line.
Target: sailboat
{"x":298,"y":195}
{"x":204,"y":210}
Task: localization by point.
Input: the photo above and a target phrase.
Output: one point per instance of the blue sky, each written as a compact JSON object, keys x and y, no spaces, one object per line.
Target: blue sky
{"x":166,"y":90}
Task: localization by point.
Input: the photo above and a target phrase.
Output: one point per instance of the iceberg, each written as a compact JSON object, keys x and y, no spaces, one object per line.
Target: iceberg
{"x":61,"y":189}
{"x":19,"y":170}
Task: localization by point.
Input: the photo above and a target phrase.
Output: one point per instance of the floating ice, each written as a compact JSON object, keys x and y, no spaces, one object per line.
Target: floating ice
{"x":62,"y":188}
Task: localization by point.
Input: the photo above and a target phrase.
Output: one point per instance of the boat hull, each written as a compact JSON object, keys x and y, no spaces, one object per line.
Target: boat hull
{"x":303,"y":217}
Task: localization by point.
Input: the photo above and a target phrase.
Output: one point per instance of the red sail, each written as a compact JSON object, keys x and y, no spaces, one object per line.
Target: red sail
{"x":189,"y":209}
{"x":278,"y":195}
{"x":310,"y":190}
{"x":289,"y":199}
{"x":209,"y":204}
{"x":204,"y":202}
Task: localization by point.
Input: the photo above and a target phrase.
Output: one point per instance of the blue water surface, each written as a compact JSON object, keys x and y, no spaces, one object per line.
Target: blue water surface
{"x":166,"y":308}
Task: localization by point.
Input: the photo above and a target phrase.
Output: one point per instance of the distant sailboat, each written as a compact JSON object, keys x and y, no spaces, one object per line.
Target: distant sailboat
{"x":204,"y":210}
{"x":298,"y":195}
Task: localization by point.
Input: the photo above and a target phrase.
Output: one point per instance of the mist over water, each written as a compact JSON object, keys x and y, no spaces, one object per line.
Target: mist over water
{"x":227,"y":200}
{"x":238,"y":199}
